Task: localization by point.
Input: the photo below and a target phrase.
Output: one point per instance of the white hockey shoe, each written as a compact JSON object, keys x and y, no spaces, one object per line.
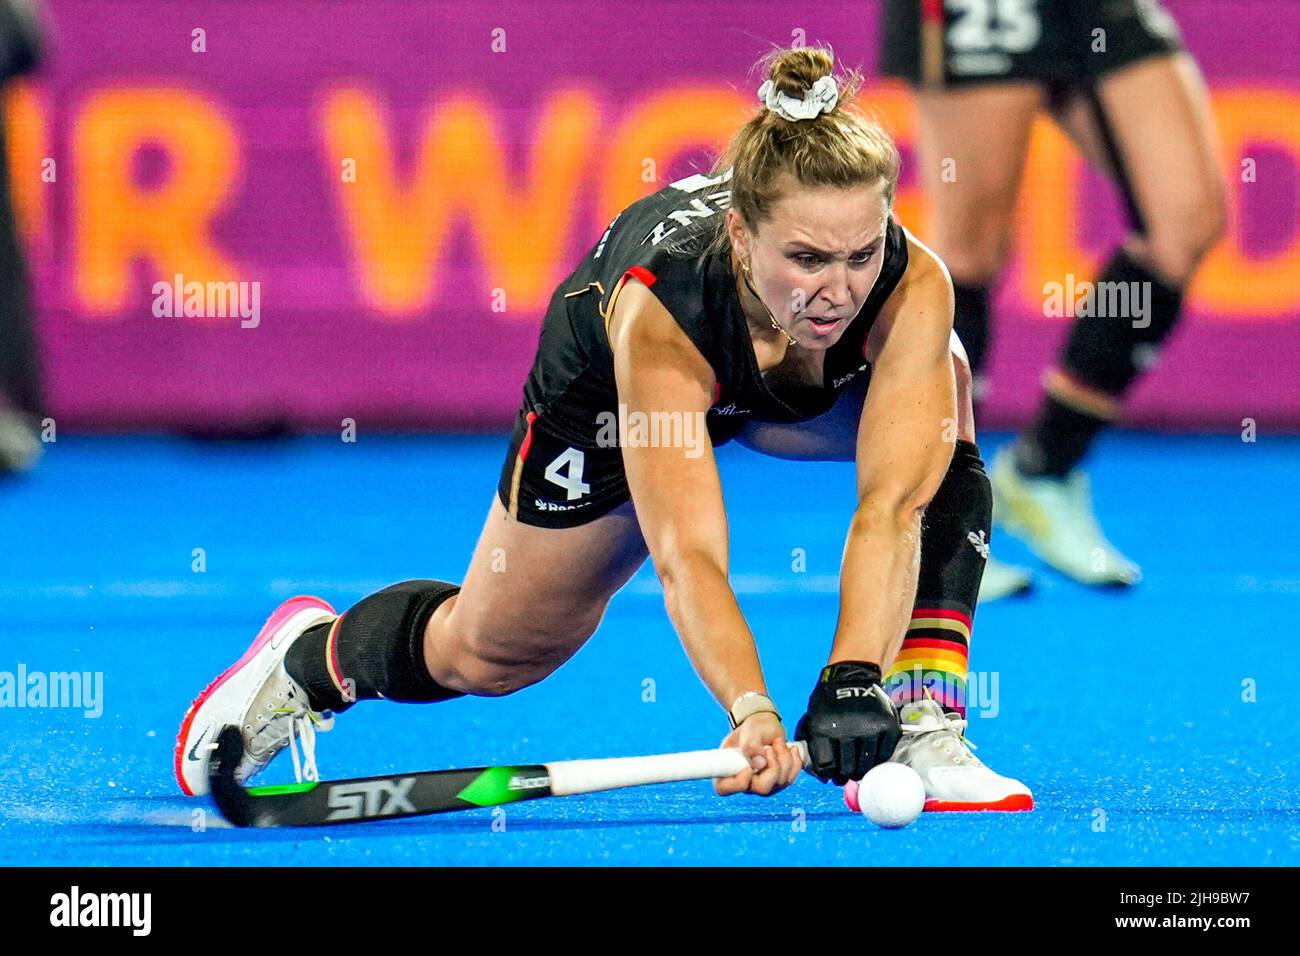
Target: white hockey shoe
{"x":955,"y":779}
{"x":257,"y":695}
{"x":1055,"y":518}
{"x":1004,"y":581}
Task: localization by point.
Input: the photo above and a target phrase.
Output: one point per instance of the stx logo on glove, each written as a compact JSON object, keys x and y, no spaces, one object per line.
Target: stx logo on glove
{"x":843,"y":692}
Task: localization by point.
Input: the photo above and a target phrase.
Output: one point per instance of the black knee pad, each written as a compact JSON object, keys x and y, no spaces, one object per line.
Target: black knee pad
{"x":955,"y":534}
{"x":1130,"y":314}
{"x":383,"y":637}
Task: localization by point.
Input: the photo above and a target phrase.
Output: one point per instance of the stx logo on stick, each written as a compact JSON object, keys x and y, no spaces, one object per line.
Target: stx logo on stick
{"x":353,"y":800}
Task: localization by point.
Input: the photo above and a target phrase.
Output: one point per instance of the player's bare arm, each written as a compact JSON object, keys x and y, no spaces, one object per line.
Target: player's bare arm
{"x":678,"y":500}
{"x":905,"y":442}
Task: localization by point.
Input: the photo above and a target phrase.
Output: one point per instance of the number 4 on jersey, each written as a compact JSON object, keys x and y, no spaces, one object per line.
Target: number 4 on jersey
{"x":574,"y":460}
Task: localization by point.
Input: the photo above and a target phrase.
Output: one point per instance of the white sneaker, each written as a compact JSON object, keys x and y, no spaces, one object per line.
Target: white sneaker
{"x":19,"y":447}
{"x":1055,"y":518}
{"x":1003,"y":581}
{"x":932,"y":744}
{"x":257,"y":695}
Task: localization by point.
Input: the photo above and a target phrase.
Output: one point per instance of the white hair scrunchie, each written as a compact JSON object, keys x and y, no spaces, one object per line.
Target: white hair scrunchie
{"x":820,"y":98}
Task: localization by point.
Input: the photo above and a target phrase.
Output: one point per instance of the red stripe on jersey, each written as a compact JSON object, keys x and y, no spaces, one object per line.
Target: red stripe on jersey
{"x":528,"y":437}
{"x":932,"y":11}
{"x":642,"y":275}
{"x":717,"y":392}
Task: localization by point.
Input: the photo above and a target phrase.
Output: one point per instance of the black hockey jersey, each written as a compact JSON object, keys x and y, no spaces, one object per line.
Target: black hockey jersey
{"x":661,"y":240}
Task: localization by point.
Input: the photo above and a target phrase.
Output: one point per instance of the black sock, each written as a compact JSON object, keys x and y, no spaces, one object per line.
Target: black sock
{"x":377,"y":650}
{"x":970,"y":321}
{"x":1057,"y":440}
{"x":956,"y":531}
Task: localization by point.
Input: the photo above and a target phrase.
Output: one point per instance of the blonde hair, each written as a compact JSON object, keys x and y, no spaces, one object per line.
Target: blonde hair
{"x":840,"y":148}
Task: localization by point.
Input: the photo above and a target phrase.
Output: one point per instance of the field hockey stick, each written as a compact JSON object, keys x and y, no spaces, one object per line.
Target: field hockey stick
{"x":389,"y":796}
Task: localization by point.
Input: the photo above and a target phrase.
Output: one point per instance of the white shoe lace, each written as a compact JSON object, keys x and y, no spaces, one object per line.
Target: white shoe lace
{"x":950,"y":736}
{"x":302,"y":724}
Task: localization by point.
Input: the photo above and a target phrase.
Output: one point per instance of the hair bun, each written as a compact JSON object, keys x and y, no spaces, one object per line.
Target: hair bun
{"x":794,"y":71}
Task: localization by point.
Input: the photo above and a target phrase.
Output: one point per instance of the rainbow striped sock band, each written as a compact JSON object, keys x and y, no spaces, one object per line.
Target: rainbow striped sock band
{"x":934,"y":656}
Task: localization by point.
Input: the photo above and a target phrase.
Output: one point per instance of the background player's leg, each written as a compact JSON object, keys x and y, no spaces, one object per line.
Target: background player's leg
{"x":1159,"y":114}
{"x":1157,"y":143}
{"x":971,"y":145}
{"x":22,"y":400}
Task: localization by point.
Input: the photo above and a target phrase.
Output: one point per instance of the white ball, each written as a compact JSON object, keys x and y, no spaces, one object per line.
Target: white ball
{"x":891,"y":795}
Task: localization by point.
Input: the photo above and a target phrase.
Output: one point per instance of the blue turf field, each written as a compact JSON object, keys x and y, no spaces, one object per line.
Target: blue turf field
{"x":1123,"y":705}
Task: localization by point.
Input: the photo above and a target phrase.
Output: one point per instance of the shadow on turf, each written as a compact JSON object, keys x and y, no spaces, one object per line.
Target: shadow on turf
{"x":165,"y":820}
{"x":174,"y":815}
